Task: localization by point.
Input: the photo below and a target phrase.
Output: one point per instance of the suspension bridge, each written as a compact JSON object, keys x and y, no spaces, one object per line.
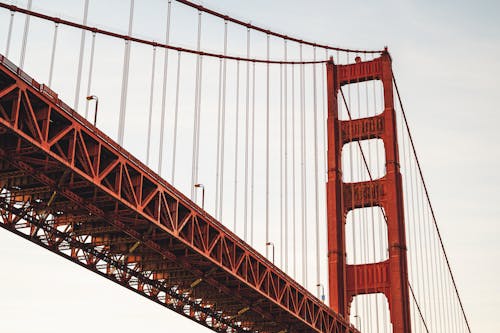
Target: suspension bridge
{"x":246,"y":179}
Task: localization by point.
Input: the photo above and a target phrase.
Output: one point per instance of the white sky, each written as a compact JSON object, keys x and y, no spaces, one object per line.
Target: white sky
{"x":445,"y":58}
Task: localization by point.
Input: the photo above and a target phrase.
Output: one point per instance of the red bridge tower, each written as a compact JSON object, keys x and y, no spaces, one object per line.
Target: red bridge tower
{"x":389,"y":277}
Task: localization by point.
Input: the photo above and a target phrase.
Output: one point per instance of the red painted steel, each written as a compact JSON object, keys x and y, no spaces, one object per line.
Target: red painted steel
{"x":68,"y":187}
{"x":389,"y":277}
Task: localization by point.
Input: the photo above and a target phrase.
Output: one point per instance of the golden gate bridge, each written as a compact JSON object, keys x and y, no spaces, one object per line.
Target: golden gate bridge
{"x":198,"y":181}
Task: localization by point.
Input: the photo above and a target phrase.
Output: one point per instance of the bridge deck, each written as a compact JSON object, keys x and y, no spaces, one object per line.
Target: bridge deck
{"x":68,"y":187}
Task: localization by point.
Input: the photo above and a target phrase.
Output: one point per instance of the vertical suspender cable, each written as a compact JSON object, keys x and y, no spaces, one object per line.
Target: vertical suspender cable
{"x":252,"y":160}
{"x":316,"y":176}
{"x":380,"y":234}
{"x":434,"y":292}
{"x":282,"y":248}
{"x":364,"y":216}
{"x":437,"y":287}
{"x":151,"y":95}
{"x":423,"y":283}
{"x":324,"y":103}
{"x":383,"y":234}
{"x":430,"y":205}
{"x":80,"y":60}
{"x":410,"y":193}
{"x":25,"y":37}
{"x":126,"y":65}
{"x":371,"y":218}
{"x":445,"y":298}
{"x":427,"y":260}
{"x":164,"y":89}
{"x":439,"y":270}
{"x":223,"y":123}
{"x":218,"y":159}
{"x":416,"y":223}
{"x":375,"y":257}
{"x":353,"y":210}
{"x":303,"y":171}
{"x":324,"y":146}
{"x":369,"y":215}
{"x":247,"y":113}
{"x":52,"y":57}
{"x":430,"y":267}
{"x":454,"y":309}
{"x":236,"y":137}
{"x":9,"y":35}
{"x":449,"y":304}
{"x":294,"y":219}
{"x":267,"y":150}
{"x":194,"y":174}
{"x":285,"y":98}
{"x":91,"y":69}
{"x":198,"y":117}
{"x":221,"y":131}
{"x":176,"y":114}
{"x":362,"y":211}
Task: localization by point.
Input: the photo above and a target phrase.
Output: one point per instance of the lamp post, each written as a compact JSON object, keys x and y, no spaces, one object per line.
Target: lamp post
{"x":202,"y":194}
{"x":271,"y":244}
{"x":322,"y":291}
{"x":94,"y":97}
{"x":357,"y":317}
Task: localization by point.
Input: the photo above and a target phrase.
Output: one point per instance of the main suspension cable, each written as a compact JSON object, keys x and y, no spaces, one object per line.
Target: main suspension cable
{"x":267,"y":31}
{"x":130,"y":38}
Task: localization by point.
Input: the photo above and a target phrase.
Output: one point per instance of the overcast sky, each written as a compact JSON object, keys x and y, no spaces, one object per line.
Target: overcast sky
{"x":445,"y":57}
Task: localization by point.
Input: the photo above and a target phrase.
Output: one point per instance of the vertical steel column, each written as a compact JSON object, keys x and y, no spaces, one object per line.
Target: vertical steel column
{"x":389,"y":277}
{"x":334,"y":202}
{"x":394,"y":208}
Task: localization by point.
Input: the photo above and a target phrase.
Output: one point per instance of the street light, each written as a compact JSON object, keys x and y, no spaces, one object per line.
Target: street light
{"x":358,"y":326}
{"x":322,"y":291}
{"x":202,"y":194}
{"x":94,"y":97}
{"x":272,"y":244}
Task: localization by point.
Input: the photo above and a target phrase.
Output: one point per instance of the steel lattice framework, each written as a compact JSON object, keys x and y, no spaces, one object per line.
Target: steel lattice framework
{"x":71,"y":189}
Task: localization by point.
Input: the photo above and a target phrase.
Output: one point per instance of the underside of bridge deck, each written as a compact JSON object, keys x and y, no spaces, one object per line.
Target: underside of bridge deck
{"x":68,"y":187}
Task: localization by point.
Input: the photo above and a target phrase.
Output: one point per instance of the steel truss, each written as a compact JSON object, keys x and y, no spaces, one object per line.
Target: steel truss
{"x":68,"y":187}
